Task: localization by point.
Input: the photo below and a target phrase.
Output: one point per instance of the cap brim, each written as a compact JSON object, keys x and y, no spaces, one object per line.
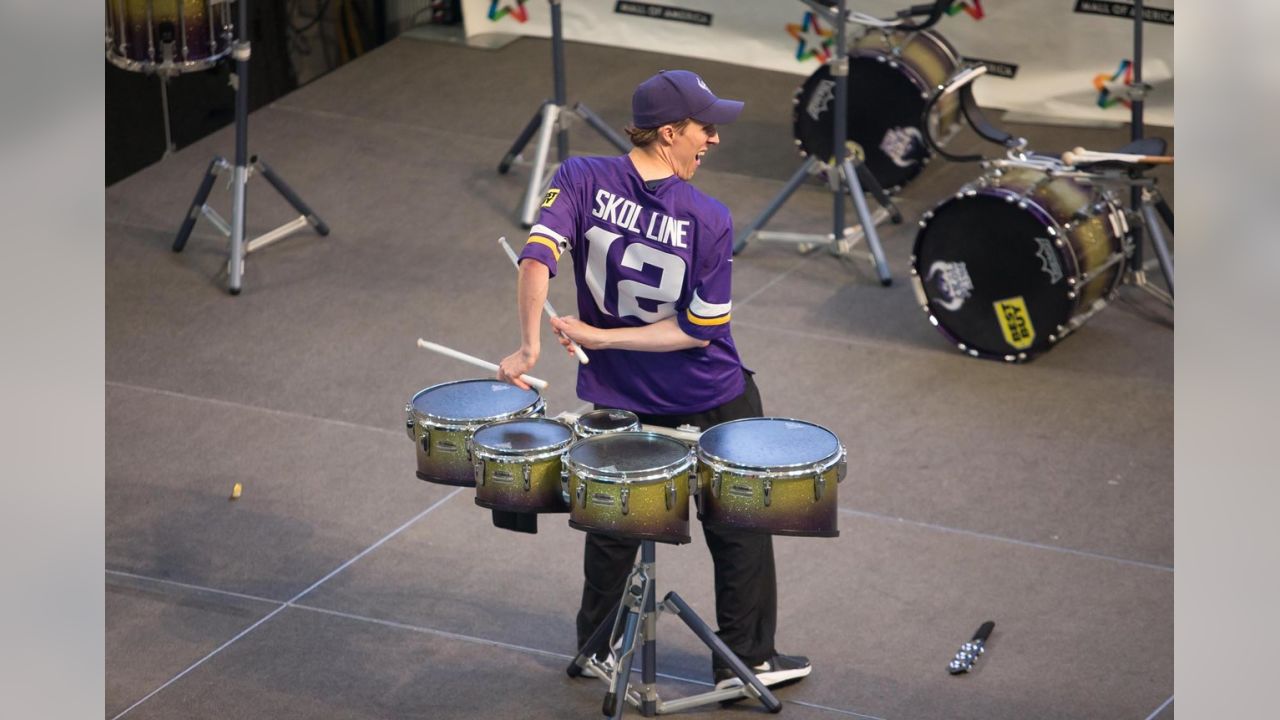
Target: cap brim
{"x":721,"y":112}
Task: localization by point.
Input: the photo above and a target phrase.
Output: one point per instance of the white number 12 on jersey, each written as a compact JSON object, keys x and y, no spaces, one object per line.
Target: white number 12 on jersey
{"x":630,"y":292}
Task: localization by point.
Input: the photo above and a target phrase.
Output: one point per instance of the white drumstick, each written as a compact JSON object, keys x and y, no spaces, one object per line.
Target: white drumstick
{"x":1079,"y":154}
{"x":577,"y":351}
{"x":450,"y":352}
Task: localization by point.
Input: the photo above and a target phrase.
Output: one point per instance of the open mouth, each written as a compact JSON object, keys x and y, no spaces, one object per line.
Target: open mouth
{"x":698,"y":158}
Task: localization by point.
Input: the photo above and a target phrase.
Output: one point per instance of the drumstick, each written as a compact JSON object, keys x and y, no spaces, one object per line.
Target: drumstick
{"x":450,"y":352}
{"x":1079,"y":154}
{"x":577,"y":351}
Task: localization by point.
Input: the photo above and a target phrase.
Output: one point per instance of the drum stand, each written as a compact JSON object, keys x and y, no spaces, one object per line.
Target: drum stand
{"x":552,"y":117}
{"x":241,"y":173}
{"x":847,"y":173}
{"x":1143,"y":196}
{"x":635,"y":622}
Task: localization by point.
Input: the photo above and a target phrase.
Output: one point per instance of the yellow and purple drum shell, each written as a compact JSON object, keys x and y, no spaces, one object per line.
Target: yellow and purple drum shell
{"x":518,"y":464}
{"x":630,"y":484}
{"x":771,"y":475}
{"x":442,"y":418}
{"x":199,"y":34}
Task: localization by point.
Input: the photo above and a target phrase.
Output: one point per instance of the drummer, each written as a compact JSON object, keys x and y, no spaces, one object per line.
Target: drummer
{"x":652,"y":259}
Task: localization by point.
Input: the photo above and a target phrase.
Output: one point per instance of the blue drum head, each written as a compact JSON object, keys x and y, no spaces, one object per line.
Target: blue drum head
{"x":472,"y":400}
{"x":769,"y":443}
{"x":523,"y":435}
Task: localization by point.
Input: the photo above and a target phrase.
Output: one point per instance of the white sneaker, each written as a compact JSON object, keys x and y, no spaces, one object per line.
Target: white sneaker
{"x":774,"y":671}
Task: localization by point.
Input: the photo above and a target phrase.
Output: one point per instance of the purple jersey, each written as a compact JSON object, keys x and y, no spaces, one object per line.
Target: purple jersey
{"x":641,"y":256}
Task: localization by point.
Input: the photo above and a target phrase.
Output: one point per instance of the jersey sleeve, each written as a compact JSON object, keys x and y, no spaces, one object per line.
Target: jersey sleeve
{"x":557,"y":225}
{"x":706,"y":315}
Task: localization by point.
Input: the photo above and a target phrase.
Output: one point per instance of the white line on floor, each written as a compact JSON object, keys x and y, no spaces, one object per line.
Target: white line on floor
{"x":290,"y":602}
{"x":1160,"y":709}
{"x":242,"y":406}
{"x":1013,"y":541}
{"x":189,"y":586}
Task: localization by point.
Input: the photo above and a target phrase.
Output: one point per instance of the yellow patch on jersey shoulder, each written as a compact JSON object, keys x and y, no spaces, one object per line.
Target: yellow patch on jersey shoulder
{"x":552,"y":194}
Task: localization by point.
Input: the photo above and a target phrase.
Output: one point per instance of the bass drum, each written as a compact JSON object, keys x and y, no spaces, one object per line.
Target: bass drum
{"x":1017,"y":260}
{"x":891,"y":77}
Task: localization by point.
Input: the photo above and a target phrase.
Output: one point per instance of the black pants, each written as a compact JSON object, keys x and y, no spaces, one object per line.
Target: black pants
{"x":745,"y":581}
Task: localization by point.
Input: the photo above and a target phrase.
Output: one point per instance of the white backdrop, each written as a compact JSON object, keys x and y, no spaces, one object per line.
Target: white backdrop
{"x":1058,"y":52}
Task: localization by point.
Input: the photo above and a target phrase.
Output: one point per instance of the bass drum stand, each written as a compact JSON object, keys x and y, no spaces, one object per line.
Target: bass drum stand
{"x":634,"y":624}
{"x":241,"y":172}
{"x":550,"y":118}
{"x":1145,"y":200}
{"x":846,"y":173}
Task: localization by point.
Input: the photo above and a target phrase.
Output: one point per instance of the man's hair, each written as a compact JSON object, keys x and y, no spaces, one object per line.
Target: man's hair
{"x":642,"y":137}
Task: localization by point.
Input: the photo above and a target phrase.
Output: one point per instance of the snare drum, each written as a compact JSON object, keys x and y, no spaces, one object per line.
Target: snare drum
{"x":442,"y":418}
{"x":602,"y":422}
{"x":770,"y":475}
{"x":517,"y":464}
{"x":630,"y":484}
{"x":168,"y":36}
{"x":1017,"y":260}
{"x":891,"y":76}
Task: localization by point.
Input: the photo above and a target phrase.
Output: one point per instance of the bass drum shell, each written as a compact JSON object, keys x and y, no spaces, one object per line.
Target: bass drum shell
{"x":518,"y":464}
{"x":1016,"y":260}
{"x":771,"y":475}
{"x":442,"y":418}
{"x":891,"y":76}
{"x":630,"y":484}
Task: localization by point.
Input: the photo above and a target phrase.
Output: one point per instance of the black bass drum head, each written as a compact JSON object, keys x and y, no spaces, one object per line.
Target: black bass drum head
{"x":884,"y":110}
{"x":991,"y":274}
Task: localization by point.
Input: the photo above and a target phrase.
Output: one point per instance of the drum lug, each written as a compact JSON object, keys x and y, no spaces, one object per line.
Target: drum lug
{"x":715,"y":482}
{"x":479,"y":466}
{"x":527,"y":470}
{"x":842,"y":467}
{"x":564,"y":486}
{"x":671,"y":493}
{"x":409,"y":422}
{"x":467,"y":445}
{"x":819,"y":486}
{"x":625,"y":496}
{"x":426,"y":441}
{"x":768,"y":492}
{"x":582,"y":493}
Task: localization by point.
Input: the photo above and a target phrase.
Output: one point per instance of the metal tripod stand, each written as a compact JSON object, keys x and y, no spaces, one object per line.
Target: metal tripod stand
{"x":552,"y":117}
{"x":241,"y":172}
{"x":845,"y":174}
{"x":1143,"y":196}
{"x":635,"y":622}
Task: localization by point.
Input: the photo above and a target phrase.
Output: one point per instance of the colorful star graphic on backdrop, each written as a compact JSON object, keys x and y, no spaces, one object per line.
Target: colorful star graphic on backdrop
{"x":518,"y":12}
{"x":811,"y":40}
{"x":1105,"y":100}
{"x":972,"y":7}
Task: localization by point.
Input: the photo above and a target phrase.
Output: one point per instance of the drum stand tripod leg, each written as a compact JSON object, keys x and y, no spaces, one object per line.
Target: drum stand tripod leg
{"x":866,"y":220}
{"x":1151,"y":224}
{"x":799,"y":177}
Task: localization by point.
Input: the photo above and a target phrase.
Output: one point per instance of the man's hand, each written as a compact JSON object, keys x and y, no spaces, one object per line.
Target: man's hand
{"x":569,"y":328}
{"x":516,"y":364}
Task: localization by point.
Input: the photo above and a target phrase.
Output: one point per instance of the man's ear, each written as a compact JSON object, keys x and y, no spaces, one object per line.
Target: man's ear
{"x":667,"y":133}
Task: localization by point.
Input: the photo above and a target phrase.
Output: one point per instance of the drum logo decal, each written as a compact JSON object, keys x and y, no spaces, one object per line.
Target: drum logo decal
{"x":1015,"y":322}
{"x":447,"y":446}
{"x":823,"y":94}
{"x":1048,"y":260}
{"x":900,"y":145}
{"x":952,"y":283}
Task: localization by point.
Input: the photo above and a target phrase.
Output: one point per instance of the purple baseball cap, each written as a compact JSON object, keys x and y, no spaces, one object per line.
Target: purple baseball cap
{"x":673,"y":95}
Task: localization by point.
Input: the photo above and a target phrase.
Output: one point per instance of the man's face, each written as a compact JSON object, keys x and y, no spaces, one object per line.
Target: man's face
{"x":689,"y":145}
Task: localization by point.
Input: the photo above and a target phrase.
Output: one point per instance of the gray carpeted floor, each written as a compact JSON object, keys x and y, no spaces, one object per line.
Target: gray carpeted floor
{"x":339,"y":586}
